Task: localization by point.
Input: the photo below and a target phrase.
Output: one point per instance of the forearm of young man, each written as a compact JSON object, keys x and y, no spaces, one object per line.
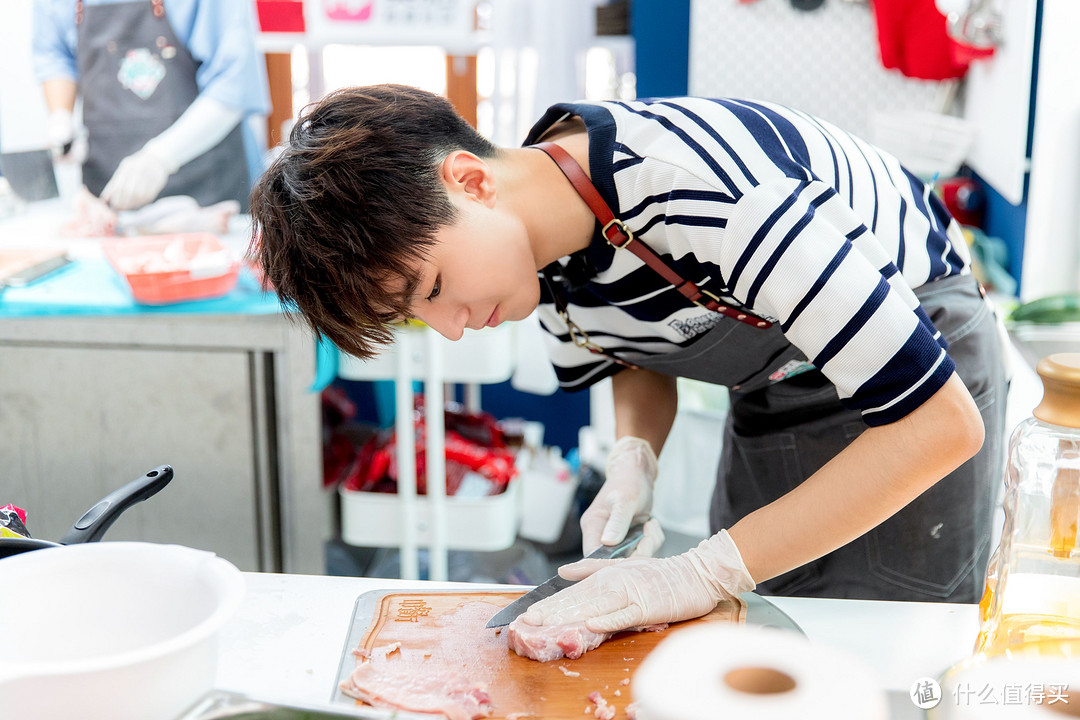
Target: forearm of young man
{"x":883,"y":470}
{"x":645,"y":405}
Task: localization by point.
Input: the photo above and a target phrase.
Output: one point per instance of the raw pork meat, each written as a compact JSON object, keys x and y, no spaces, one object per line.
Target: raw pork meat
{"x":544,"y":643}
{"x":603,"y":710}
{"x":92,"y":217}
{"x":551,"y":643}
{"x":404,"y":686}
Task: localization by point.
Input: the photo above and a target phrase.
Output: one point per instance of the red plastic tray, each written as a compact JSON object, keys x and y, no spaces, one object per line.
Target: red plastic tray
{"x":162,"y":269}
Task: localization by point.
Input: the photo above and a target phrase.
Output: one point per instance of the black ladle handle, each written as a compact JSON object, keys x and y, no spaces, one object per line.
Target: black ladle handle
{"x":95,"y":521}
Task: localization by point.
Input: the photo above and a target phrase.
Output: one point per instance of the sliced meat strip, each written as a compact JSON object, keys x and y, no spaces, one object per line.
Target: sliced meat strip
{"x":402,"y":686}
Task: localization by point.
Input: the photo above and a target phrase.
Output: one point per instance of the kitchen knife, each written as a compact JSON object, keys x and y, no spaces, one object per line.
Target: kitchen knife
{"x":30,"y":173}
{"x":549,"y":587}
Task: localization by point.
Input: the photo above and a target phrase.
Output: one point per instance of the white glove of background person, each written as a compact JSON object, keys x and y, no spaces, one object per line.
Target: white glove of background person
{"x":615,"y":595}
{"x":201,"y":127}
{"x":624,"y":498}
{"x":66,"y":143}
{"x":138,"y":179}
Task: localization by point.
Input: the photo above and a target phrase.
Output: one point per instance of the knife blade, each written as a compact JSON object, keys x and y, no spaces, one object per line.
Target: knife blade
{"x":553,"y":585}
{"x":30,"y":173}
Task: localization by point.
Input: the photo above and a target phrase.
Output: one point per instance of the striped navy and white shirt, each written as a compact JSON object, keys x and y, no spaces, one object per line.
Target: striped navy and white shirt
{"x":770,"y":208}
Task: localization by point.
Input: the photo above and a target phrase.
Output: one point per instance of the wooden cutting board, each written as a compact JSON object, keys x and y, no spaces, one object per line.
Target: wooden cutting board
{"x":450,"y":625}
{"x":28,"y":263}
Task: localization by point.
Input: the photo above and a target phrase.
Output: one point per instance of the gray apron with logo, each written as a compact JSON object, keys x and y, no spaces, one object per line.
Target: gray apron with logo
{"x":136,"y":79}
{"x":785,"y":423}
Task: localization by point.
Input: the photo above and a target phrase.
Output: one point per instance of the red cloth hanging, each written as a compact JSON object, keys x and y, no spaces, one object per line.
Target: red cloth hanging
{"x":914,"y":39}
{"x":280,"y":15}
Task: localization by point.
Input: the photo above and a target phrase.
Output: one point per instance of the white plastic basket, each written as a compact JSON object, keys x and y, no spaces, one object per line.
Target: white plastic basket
{"x":928,"y":144}
{"x":485,"y":524}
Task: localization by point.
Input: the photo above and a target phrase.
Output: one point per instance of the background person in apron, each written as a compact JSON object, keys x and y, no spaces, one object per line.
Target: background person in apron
{"x":166,"y":86}
{"x":735,"y":242}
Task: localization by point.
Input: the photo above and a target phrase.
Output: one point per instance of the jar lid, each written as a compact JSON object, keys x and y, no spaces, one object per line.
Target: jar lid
{"x":1060,"y":375}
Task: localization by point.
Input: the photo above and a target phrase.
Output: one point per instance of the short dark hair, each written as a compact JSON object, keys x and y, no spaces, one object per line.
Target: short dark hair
{"x":352,"y":202}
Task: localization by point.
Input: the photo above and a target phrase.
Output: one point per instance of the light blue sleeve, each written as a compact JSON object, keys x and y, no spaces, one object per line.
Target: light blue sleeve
{"x":220,"y":35}
{"x":53,"y":43}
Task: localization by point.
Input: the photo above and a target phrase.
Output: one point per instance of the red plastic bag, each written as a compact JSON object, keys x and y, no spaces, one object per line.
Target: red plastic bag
{"x":474,"y":443}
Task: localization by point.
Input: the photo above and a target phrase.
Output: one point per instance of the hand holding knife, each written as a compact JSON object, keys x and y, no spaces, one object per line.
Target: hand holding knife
{"x":549,"y":587}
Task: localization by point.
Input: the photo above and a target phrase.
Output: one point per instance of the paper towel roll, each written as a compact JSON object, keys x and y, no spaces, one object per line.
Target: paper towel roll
{"x":742,"y":671}
{"x":1018,"y":688}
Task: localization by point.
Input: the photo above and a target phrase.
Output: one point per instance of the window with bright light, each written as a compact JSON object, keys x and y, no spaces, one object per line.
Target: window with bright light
{"x":422,"y":67}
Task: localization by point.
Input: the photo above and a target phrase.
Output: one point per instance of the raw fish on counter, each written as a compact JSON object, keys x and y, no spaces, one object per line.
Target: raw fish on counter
{"x":92,"y":217}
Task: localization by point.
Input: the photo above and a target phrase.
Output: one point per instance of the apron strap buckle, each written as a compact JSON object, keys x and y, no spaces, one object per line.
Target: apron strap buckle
{"x":623,"y":235}
{"x":713,"y":303}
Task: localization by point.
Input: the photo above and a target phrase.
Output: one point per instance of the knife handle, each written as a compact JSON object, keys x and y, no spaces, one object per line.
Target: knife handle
{"x":621,"y":549}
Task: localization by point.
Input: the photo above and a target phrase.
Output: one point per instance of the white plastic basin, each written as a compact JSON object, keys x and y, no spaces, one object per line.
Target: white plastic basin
{"x":111,"y":630}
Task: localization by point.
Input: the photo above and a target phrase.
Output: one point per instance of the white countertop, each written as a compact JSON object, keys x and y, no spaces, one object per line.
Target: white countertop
{"x":287,"y":638}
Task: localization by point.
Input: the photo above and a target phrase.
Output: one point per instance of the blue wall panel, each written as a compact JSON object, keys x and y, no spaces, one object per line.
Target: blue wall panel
{"x":661,"y":30}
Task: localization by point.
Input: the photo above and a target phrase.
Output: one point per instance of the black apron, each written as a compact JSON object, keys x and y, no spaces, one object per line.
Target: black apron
{"x":786,"y":422}
{"x":136,"y":79}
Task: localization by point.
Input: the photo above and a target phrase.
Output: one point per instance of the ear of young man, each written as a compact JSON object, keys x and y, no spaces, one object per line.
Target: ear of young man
{"x":466,"y":174}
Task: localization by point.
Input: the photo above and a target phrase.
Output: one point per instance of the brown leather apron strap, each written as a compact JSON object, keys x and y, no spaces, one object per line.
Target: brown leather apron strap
{"x":620,"y":236}
{"x":158,"y":7}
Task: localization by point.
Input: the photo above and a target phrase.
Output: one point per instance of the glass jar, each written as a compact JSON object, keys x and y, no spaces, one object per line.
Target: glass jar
{"x":1032,"y":595}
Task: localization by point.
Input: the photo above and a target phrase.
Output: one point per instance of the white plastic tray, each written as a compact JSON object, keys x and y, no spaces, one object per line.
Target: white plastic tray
{"x":484,"y":524}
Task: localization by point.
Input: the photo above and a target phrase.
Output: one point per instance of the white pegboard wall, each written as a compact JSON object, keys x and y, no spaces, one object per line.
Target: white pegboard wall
{"x":825,"y":61}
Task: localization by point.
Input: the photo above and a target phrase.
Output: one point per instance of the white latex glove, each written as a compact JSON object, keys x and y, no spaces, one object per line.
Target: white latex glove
{"x":623,"y":499}
{"x":61,"y":130}
{"x":202,"y":126}
{"x":66,"y":143}
{"x":138,"y":179}
{"x":614,"y":595}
